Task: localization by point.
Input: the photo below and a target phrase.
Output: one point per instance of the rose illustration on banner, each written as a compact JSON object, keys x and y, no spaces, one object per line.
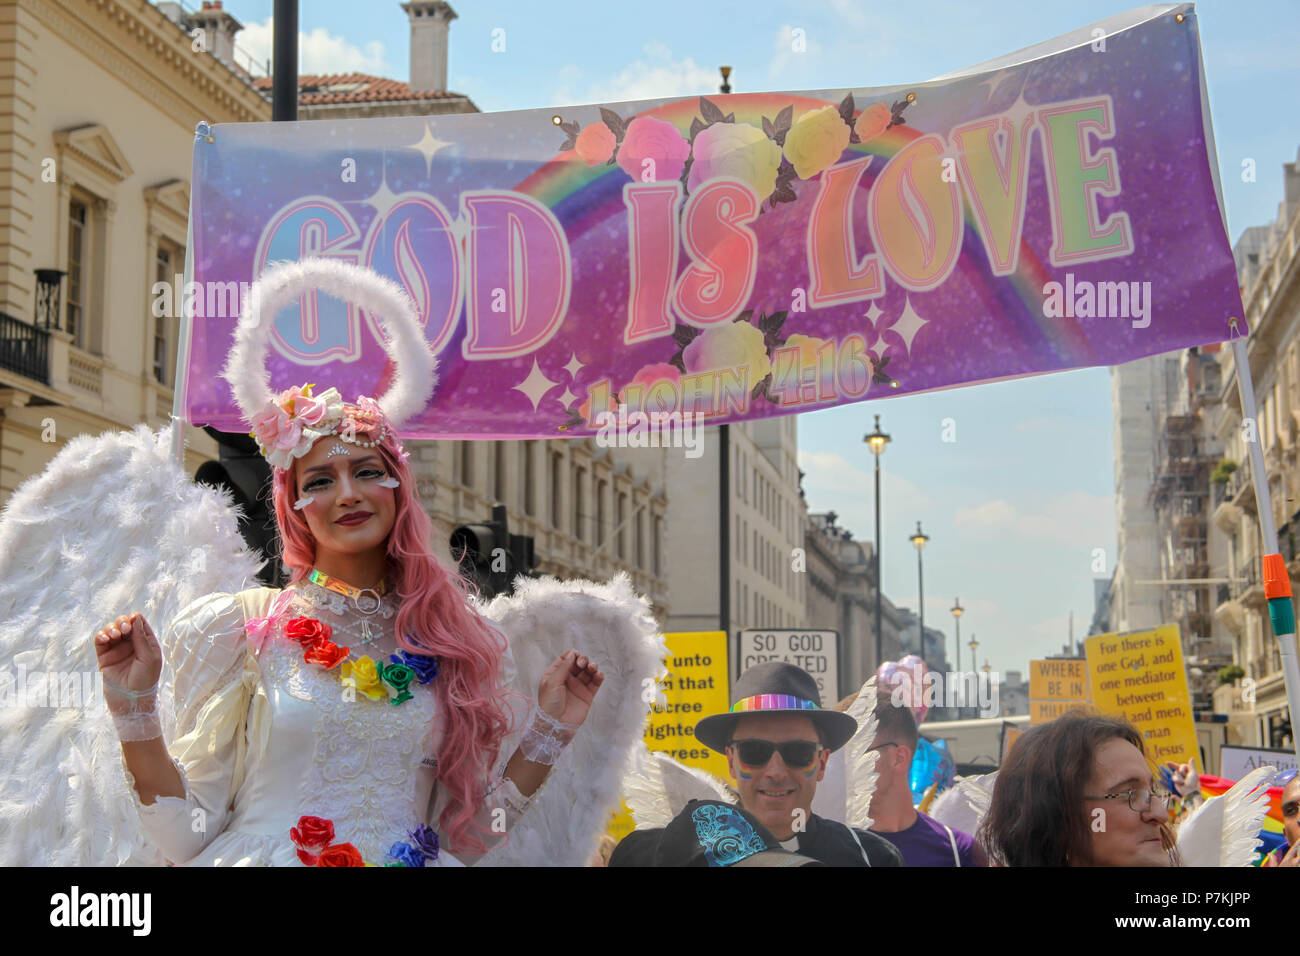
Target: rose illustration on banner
{"x":658,"y":141}
{"x":730,"y":345}
{"x":735,"y":151}
{"x":816,"y":141}
{"x":596,"y":144}
{"x":650,"y":375}
{"x":873,"y":121}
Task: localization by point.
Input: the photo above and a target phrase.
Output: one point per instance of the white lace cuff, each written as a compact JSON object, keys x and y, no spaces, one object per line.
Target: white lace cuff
{"x":134,"y":712}
{"x":545,"y":737}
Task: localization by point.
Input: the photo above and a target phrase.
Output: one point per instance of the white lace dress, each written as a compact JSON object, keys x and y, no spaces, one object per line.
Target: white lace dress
{"x":263,"y":738}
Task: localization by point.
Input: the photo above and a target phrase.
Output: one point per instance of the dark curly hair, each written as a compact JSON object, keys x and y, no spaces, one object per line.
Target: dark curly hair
{"x":1037,"y":815}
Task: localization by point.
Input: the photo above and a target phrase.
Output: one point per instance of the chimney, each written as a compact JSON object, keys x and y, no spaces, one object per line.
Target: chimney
{"x":219,"y":29}
{"x":430,"y":23}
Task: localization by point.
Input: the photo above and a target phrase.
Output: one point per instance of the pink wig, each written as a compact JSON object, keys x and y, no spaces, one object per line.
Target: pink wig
{"x":434,"y":619}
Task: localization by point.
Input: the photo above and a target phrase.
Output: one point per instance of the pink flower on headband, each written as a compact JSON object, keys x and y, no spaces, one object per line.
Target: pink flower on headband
{"x":292,"y":421}
{"x":275,"y":430}
{"x":310,"y":411}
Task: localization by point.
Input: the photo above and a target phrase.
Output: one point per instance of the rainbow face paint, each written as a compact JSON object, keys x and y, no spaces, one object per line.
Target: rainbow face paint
{"x":303,"y":502}
{"x":389,"y":482}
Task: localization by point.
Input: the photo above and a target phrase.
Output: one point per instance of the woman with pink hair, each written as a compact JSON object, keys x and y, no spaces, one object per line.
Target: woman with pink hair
{"x":357,"y":716}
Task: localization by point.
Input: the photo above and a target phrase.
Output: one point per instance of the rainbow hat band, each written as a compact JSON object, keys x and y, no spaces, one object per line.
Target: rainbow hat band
{"x":774,"y":688}
{"x":773,"y":702}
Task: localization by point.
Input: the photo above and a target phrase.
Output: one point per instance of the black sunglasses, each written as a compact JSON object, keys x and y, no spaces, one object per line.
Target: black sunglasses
{"x":795,"y":753}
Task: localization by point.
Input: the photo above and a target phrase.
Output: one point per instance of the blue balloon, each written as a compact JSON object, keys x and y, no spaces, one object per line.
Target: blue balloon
{"x":932,"y":763}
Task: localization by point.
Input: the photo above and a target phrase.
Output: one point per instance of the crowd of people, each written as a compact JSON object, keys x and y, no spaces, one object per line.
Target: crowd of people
{"x":1077,"y":791}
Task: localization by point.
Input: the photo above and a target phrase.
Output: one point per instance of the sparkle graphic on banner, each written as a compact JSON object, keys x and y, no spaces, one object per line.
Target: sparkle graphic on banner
{"x":908,"y":324}
{"x":573,"y":365}
{"x":1018,"y":112}
{"x":382,"y":200}
{"x":567,"y":398}
{"x":995,"y":80}
{"x":427,"y":147}
{"x":905,"y":327}
{"x":536,"y":385}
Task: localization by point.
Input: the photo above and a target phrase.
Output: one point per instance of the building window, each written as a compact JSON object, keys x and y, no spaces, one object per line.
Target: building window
{"x":164,"y":266}
{"x":467,"y":464}
{"x":619,"y":517}
{"x":600,"y":513}
{"x":76,"y":315}
{"x":557,"y":472}
{"x":658,"y":546}
{"x":529,"y":451}
{"x":579,"y":502}
{"x":638,"y":542}
{"x":499,"y":472}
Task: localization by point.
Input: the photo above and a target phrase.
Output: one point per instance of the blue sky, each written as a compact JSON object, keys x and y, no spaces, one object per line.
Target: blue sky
{"x":1017,"y":504}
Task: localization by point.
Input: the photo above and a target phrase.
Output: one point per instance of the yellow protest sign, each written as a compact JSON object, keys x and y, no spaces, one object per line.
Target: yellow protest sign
{"x":1059,"y":679}
{"x":1140,"y":675}
{"x":694,"y":687}
{"x":1043,"y":711}
{"x":1057,"y":686}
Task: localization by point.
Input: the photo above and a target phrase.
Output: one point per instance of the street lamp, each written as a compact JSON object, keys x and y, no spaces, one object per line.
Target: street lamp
{"x":973,"y":644}
{"x":957,"y":611}
{"x":877,"y":441}
{"x":918,"y":541}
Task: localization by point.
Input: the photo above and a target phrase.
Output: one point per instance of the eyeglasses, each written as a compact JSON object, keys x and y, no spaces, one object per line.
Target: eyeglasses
{"x":882,"y":746}
{"x":1139,"y":799}
{"x":795,"y":753}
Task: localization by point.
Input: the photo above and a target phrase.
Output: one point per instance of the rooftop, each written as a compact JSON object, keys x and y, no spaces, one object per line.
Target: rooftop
{"x":323,"y":90}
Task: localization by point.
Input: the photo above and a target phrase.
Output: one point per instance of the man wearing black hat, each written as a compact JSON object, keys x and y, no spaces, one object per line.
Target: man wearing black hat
{"x":777,"y":739}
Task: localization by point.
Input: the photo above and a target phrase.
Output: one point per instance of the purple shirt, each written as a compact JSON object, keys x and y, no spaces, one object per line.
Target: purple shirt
{"x":926,"y":843}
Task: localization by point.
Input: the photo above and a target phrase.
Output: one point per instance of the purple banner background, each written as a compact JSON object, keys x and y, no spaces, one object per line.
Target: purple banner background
{"x":253,"y":203}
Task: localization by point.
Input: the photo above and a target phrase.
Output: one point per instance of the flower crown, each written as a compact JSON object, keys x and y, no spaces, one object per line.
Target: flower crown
{"x":292,"y":422}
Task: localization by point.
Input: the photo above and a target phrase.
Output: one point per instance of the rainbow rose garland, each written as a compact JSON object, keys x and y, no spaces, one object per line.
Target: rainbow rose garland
{"x":375,"y":679}
{"x":314,"y":838}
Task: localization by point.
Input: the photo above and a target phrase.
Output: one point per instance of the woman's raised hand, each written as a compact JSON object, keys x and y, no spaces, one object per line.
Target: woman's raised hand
{"x":129,"y":655}
{"x":568,"y":687}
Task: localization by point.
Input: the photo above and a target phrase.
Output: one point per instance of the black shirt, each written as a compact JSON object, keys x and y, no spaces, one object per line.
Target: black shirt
{"x":826,"y":841}
{"x":832,"y":843}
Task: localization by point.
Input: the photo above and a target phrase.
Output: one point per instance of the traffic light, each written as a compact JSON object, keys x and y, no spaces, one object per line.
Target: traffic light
{"x":490,"y":556}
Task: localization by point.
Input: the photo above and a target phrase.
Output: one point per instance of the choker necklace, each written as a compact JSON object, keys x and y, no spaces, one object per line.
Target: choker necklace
{"x":366,"y":600}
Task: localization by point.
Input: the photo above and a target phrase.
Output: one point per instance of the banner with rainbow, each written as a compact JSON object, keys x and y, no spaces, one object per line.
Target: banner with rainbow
{"x":736,"y":257}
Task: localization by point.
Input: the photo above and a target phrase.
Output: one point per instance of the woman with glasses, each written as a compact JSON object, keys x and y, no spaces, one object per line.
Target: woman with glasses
{"x":1079,"y":792}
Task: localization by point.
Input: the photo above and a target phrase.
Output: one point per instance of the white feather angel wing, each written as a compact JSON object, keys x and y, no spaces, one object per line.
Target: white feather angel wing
{"x":657,"y":788}
{"x":964,"y":805}
{"x":1224,"y":830}
{"x":611,"y":624}
{"x":844,"y":794}
{"x":112,"y":526}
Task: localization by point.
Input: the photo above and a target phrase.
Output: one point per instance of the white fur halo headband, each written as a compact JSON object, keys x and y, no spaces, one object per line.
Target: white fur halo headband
{"x":415,"y":365}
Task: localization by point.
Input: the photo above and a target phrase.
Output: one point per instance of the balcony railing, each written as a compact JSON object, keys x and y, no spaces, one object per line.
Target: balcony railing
{"x":24,"y":349}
